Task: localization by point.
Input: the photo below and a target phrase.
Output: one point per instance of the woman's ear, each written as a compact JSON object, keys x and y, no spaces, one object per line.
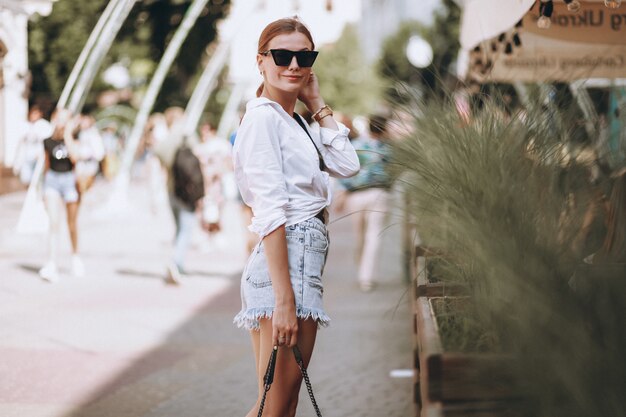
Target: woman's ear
{"x":259,"y":62}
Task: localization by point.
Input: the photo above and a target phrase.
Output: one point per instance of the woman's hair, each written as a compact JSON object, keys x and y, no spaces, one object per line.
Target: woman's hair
{"x":279,"y":27}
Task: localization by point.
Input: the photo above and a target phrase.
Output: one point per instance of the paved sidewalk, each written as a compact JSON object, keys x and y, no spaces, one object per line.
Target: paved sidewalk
{"x":121,"y":343}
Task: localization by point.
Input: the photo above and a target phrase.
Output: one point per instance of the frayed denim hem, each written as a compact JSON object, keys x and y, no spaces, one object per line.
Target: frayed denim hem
{"x":249,"y":319}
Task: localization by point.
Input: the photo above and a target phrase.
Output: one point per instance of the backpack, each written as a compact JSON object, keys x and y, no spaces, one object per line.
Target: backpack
{"x":188,"y":178}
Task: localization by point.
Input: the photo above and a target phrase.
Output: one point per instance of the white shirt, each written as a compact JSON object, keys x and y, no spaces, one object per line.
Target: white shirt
{"x":37,"y":131}
{"x":277,"y":166}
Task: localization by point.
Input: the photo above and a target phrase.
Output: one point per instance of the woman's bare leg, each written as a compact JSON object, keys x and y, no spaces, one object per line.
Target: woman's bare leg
{"x":72,"y":215}
{"x":54,"y":206}
{"x":282,"y":398}
{"x":255,"y":336}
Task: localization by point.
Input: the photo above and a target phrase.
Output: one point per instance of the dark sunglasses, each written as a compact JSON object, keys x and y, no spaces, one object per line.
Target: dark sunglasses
{"x":283,"y":57}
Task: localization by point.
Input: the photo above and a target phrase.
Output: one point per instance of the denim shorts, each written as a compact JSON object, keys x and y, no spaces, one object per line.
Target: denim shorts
{"x":307,"y":248}
{"x":62,"y":183}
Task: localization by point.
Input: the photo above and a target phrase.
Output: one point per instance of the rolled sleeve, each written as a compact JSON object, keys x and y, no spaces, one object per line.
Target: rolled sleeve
{"x":335,"y":138}
{"x":258,"y":163}
{"x":339,"y":155}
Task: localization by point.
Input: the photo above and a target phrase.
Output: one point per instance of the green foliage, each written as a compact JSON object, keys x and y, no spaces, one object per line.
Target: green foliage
{"x":495,"y":194}
{"x":443,"y":36}
{"x":348,"y":83}
{"x":56,"y":41}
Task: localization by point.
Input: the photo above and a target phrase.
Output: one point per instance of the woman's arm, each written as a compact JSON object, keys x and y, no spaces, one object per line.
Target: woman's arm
{"x":284,"y":321}
{"x":46,"y":162}
{"x":339,"y":155}
{"x":258,"y":161}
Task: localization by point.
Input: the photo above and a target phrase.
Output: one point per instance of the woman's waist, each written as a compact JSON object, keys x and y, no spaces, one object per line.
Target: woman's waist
{"x":62,"y":173}
{"x":299,"y":216}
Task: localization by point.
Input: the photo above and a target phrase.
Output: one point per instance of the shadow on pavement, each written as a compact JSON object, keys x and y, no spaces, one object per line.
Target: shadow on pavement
{"x":205,"y":366}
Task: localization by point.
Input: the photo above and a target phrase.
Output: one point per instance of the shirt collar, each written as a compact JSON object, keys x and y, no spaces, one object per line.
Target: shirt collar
{"x":260,"y":101}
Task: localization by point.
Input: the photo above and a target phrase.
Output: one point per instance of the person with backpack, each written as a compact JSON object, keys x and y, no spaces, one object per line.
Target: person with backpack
{"x":185,"y":185}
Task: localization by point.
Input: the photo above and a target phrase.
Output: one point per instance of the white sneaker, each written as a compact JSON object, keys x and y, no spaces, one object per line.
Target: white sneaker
{"x":49,"y":272}
{"x":78,"y":267}
{"x":172,"y":276}
{"x":366,"y":286}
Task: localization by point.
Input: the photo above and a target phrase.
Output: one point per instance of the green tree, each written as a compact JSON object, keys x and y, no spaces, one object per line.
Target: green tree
{"x":54,"y":43}
{"x":348,"y":83}
{"x":56,"y":40}
{"x":443,"y":37}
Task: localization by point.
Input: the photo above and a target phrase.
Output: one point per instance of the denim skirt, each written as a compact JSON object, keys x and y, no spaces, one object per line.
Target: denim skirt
{"x":61,"y":183}
{"x":307,"y":249}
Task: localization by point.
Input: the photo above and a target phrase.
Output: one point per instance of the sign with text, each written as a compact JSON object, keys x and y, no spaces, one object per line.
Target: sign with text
{"x":587,"y":44}
{"x":594,"y":23}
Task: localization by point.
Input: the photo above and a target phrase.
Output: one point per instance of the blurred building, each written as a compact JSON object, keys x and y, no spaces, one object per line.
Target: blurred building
{"x":382,"y":18}
{"x":14,"y":74}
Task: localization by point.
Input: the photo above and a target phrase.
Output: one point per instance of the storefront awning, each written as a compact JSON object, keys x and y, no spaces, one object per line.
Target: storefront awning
{"x":587,"y":44}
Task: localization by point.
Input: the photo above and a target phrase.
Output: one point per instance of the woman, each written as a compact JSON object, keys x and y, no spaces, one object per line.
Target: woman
{"x":61,"y":153}
{"x":282,"y":170}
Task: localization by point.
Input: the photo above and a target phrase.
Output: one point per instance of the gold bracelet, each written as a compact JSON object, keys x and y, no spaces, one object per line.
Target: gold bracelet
{"x":322,"y":112}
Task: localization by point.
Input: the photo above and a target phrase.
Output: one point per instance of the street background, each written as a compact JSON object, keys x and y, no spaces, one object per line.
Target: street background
{"x":119,"y":342}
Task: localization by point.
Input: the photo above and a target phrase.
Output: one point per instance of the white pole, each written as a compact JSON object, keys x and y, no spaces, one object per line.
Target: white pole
{"x":205,"y":86}
{"x":207,"y":81}
{"x":156,"y":83}
{"x":33,"y":218}
{"x":87,"y":49}
{"x":229,"y":117}
{"x":118,"y":197}
{"x":102,"y":46}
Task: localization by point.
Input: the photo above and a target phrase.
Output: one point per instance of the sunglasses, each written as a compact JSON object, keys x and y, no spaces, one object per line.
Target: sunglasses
{"x":283,"y":57}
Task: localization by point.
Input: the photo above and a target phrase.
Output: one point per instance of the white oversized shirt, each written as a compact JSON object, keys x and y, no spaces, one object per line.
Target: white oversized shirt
{"x":277,"y":166}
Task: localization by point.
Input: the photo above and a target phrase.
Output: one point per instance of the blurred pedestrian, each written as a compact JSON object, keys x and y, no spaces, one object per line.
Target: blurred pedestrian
{"x":61,"y":153}
{"x":185,"y":185}
{"x":156,"y":132}
{"x":90,"y":152}
{"x":365,"y":198}
{"x":215,"y":155}
{"x":112,"y":150}
{"x":282,"y":168}
{"x":29,"y":148}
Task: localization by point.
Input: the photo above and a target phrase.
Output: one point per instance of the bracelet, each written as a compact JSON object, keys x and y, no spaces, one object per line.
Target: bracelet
{"x":322,"y":112}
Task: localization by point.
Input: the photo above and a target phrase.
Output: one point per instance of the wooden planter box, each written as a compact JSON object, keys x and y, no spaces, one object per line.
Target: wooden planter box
{"x":449,"y":384}
{"x":459,"y":384}
{"x":424,"y":284}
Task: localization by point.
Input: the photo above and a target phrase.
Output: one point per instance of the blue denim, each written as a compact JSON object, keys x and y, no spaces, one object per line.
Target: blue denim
{"x":307,"y":249}
{"x":62,"y":183}
{"x":186,"y":221}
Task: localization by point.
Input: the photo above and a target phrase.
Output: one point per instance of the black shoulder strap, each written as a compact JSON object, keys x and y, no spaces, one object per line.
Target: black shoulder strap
{"x":301,"y":123}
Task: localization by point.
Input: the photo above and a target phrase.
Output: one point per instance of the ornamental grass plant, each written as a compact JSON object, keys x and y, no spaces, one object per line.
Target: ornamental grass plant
{"x":503,"y":198}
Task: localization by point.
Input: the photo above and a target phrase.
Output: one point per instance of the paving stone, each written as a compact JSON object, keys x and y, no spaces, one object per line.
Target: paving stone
{"x":121,"y":343}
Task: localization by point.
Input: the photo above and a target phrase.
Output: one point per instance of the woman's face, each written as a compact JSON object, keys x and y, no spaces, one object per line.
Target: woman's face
{"x":289,"y":78}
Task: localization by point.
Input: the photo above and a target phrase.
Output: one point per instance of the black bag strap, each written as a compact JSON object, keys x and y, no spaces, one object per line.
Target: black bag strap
{"x":269,"y":378}
{"x":319,"y":154}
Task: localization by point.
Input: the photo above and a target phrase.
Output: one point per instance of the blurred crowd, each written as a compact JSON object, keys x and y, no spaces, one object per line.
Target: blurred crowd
{"x":194,"y":174}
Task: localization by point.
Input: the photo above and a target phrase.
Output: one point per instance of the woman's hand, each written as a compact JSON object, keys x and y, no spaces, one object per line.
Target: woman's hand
{"x":285,"y":325}
{"x":310,"y":94}
{"x":284,"y":321}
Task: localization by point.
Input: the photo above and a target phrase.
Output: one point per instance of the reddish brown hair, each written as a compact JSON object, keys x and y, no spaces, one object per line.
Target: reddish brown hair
{"x":279,"y":27}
